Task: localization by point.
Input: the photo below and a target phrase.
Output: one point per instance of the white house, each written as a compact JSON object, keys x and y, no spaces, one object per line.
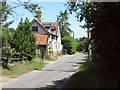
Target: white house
{"x":47,"y":35}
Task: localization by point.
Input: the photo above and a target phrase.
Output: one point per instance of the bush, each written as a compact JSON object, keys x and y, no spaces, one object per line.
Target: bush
{"x":83,"y":46}
{"x":69,"y":44}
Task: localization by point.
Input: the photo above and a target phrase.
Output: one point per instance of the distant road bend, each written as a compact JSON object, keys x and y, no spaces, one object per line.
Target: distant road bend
{"x":52,"y":75}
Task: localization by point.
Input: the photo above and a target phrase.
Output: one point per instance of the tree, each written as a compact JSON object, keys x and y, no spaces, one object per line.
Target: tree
{"x":6,"y":47}
{"x":62,"y":19}
{"x":69,"y":44}
{"x":24,"y":41}
{"x":6,"y":10}
{"x":103,"y":21}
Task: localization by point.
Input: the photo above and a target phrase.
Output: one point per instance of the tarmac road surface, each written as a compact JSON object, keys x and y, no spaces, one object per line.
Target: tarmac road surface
{"x":53,"y":75}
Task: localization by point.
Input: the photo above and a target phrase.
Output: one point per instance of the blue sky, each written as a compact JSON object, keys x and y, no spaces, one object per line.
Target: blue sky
{"x":50,"y":10}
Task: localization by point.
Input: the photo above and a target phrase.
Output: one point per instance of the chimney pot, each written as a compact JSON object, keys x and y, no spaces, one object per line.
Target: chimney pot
{"x":40,"y":16}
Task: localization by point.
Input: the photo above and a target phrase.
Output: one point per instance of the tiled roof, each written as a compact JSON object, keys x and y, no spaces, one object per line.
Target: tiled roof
{"x":41,"y":39}
{"x":53,"y":25}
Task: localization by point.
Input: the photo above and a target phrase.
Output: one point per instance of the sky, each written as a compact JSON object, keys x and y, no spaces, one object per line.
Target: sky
{"x":50,"y":10}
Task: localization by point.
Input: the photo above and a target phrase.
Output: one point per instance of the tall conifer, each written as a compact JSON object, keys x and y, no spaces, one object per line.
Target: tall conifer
{"x":24,"y":40}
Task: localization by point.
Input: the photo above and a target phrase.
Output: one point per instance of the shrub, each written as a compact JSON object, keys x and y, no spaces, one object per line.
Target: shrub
{"x":69,"y":44}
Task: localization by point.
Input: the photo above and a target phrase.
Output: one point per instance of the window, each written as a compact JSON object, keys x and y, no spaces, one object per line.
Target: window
{"x":58,"y":45}
{"x":35,"y":28}
{"x":53,"y":37}
{"x":50,"y":45}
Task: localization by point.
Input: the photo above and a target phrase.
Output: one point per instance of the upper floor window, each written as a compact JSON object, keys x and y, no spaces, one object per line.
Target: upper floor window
{"x":53,"y":37}
{"x":35,"y":28}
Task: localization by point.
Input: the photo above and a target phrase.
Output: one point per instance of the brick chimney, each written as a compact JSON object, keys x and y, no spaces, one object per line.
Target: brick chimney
{"x":40,"y":17}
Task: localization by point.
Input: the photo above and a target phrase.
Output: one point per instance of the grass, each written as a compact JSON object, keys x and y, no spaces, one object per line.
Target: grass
{"x":22,"y":67}
{"x":82,"y":79}
{"x":47,"y":58}
{"x":90,"y":75}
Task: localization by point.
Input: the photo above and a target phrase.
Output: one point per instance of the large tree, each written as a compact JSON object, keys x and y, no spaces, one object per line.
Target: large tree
{"x":62,"y":19}
{"x":103,"y":20}
{"x":24,"y":41}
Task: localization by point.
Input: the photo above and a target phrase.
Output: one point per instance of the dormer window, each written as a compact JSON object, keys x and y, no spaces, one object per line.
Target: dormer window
{"x":35,"y":28}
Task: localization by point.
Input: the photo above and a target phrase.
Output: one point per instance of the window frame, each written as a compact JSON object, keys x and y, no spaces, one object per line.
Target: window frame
{"x":36,"y":28}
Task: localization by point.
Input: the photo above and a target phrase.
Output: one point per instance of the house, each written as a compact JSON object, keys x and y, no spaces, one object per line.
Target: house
{"x":47,"y":35}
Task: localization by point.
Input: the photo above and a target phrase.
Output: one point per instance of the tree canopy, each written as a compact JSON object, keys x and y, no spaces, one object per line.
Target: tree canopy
{"x":103,"y":20}
{"x":24,"y":41}
{"x":62,"y":19}
{"x":6,"y":10}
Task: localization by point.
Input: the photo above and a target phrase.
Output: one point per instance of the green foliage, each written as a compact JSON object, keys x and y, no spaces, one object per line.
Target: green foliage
{"x":86,"y":77}
{"x":5,"y":12}
{"x":12,"y":30}
{"x":6,"y":47}
{"x":62,"y":19}
{"x":7,"y":24}
{"x":69,"y":44}
{"x":24,"y":41}
{"x":103,"y":20}
{"x":83,"y":46}
{"x":47,"y":56}
{"x":21,"y":68}
{"x":50,"y":51}
{"x":9,"y":10}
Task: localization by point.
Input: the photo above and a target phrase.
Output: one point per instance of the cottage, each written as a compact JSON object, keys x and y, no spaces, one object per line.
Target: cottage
{"x":47,"y":35}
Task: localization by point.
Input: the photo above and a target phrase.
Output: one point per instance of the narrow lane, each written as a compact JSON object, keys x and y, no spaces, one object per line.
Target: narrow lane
{"x":52,"y":75}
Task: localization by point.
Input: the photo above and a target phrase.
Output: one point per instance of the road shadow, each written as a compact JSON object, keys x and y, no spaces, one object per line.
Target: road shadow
{"x":59,"y":84}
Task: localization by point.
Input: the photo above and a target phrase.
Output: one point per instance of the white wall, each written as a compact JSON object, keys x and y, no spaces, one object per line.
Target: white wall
{"x":57,"y":41}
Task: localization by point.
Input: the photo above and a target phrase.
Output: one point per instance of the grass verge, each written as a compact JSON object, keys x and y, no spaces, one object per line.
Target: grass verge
{"x":22,"y":67}
{"x":48,"y":58}
{"x":82,"y":79}
{"x":90,"y":75}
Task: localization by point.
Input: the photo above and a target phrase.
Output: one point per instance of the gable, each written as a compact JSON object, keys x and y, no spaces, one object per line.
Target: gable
{"x":41,"y":29}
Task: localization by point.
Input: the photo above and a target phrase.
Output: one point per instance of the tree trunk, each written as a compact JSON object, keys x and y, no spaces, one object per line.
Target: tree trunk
{"x":6,"y":63}
{"x":89,"y":44}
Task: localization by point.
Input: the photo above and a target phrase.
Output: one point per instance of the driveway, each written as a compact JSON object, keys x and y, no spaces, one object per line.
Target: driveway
{"x":53,"y":75}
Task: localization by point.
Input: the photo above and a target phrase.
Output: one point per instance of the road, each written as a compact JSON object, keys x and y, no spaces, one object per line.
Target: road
{"x":53,"y":75}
